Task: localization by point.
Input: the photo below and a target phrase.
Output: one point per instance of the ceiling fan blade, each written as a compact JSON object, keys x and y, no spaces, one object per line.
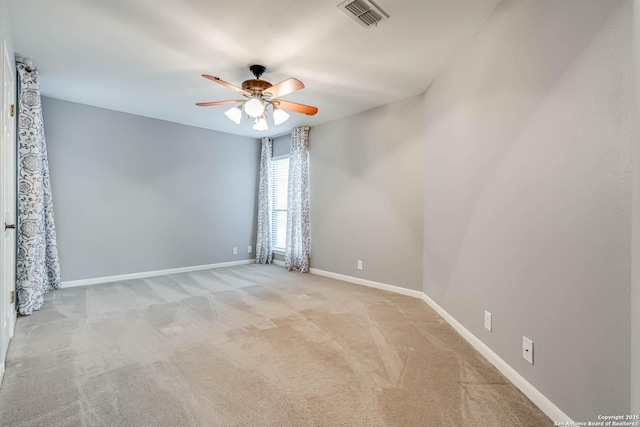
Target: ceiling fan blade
{"x":225,"y":84}
{"x":283,"y":88}
{"x":211,"y":104}
{"x":296,"y":108}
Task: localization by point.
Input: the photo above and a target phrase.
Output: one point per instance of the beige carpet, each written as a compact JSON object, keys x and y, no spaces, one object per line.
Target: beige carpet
{"x":248,"y":346}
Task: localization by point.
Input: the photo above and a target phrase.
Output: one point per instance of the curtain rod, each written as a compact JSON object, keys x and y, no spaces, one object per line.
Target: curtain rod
{"x":28,"y":63}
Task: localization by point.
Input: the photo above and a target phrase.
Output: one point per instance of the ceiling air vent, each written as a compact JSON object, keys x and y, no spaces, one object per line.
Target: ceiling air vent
{"x":364,"y":12}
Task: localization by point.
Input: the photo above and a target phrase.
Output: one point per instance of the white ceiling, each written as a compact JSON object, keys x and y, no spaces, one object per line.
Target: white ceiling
{"x":145,"y":56}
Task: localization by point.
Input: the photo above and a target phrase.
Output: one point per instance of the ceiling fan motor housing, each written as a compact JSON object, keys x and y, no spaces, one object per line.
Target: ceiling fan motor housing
{"x":255,"y":86}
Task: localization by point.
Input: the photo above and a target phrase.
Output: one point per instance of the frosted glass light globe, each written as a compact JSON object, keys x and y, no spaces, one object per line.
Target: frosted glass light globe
{"x":234,"y":114}
{"x":279,"y":116}
{"x":254,"y":107}
{"x":260,"y":124}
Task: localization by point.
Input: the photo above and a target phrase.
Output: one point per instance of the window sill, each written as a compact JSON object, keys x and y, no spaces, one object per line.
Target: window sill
{"x":278,"y":251}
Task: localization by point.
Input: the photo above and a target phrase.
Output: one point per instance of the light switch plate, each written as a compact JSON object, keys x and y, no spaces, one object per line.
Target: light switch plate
{"x":487,"y":320}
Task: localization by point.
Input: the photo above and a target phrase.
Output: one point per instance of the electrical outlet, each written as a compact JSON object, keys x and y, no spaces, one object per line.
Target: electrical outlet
{"x":234,"y":251}
{"x":249,"y":249}
{"x":487,"y":320}
{"x":359,"y":264}
{"x":527,"y":349}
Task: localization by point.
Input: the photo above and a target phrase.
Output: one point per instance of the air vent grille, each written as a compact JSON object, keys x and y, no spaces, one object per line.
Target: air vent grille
{"x":364,"y":12}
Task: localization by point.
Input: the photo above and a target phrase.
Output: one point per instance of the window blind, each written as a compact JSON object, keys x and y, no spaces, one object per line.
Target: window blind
{"x":279,"y":187}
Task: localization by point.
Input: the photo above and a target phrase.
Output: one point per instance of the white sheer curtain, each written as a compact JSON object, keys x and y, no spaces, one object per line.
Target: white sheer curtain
{"x":264,"y":252}
{"x":298,"y":247}
{"x":37,"y":265}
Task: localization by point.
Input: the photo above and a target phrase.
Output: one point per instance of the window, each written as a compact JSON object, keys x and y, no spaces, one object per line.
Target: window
{"x":279,"y":185}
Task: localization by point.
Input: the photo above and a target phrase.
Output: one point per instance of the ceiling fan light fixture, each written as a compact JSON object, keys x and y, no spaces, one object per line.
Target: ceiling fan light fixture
{"x":234,"y":114}
{"x":254,"y":107}
{"x":259,"y":95}
{"x":279,"y":116}
{"x":260,"y":124}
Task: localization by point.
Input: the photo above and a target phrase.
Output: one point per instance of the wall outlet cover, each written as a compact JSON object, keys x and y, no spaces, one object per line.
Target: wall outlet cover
{"x":249,"y":249}
{"x":359,"y":264}
{"x":527,"y":349}
{"x":234,"y":251}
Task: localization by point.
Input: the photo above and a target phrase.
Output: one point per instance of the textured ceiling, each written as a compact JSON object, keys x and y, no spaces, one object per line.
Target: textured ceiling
{"x":145,"y":57}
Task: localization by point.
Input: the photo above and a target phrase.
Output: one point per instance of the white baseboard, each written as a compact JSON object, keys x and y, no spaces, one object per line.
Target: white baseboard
{"x":108,"y":279}
{"x":539,"y":399}
{"x":368,"y":283}
{"x":551,"y":410}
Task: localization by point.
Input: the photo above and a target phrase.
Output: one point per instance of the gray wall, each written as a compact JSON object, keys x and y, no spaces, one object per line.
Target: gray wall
{"x":281,"y":145}
{"x":528,"y":195}
{"x":635,"y":284}
{"x":133,"y":194}
{"x":366,"y":199}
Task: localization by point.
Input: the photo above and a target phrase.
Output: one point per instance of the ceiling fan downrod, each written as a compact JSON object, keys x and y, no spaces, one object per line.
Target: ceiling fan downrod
{"x":257,"y":70}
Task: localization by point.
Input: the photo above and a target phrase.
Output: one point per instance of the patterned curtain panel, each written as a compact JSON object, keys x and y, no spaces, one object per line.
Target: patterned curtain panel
{"x":264,"y":253}
{"x":298,"y":246}
{"x":38,"y":268}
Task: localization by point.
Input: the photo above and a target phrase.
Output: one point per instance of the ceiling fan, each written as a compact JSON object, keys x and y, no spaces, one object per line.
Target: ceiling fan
{"x":259,"y":94}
